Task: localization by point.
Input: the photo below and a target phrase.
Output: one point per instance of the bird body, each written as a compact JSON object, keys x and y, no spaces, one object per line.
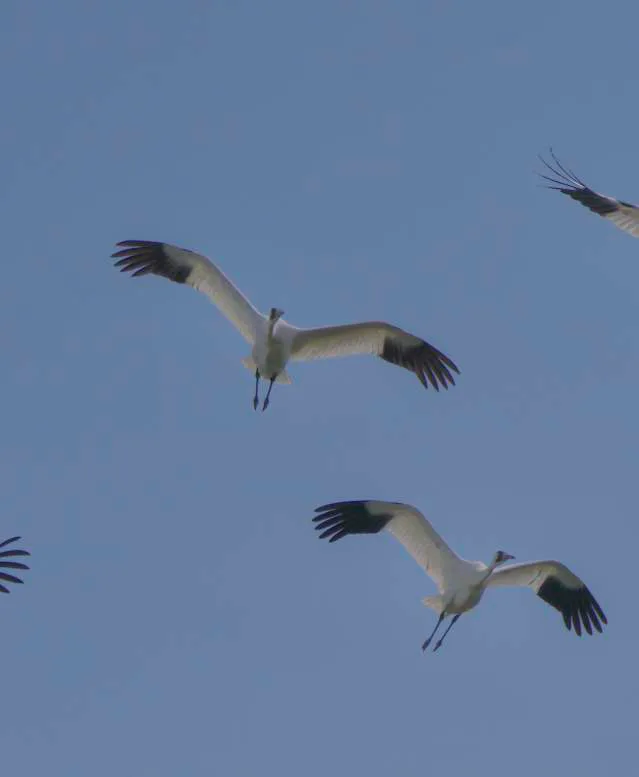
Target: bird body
{"x":465,"y":594}
{"x":274,"y":341}
{"x":272,"y":348}
{"x":461,"y":583}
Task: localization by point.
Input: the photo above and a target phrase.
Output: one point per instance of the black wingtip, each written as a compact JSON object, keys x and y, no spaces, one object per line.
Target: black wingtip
{"x":146,"y":257}
{"x":337,"y":519}
{"x":9,"y":541}
{"x":431,"y":366}
{"x":7,"y":553}
{"x":562,"y":178}
{"x":578,"y":607}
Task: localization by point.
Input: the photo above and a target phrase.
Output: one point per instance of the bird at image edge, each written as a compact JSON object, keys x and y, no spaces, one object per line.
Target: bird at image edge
{"x":623,"y":215}
{"x":461,"y":583}
{"x":5,"y":563}
{"x":274,"y":341}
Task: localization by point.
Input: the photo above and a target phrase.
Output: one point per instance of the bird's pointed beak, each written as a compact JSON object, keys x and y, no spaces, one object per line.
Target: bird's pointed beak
{"x":508,"y":557}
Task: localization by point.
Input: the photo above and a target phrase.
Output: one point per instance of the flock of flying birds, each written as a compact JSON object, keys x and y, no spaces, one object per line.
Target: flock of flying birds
{"x":275,"y":342}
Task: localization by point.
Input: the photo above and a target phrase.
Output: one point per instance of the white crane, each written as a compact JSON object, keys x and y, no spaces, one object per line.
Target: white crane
{"x":274,"y":341}
{"x":7,"y":577}
{"x":461,"y":583}
{"x":623,"y":214}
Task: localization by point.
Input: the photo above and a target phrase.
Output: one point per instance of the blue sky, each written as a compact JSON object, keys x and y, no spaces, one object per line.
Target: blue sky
{"x":343,"y":161}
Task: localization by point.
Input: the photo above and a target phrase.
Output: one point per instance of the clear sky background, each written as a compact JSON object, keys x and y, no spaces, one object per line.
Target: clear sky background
{"x":342,"y":161}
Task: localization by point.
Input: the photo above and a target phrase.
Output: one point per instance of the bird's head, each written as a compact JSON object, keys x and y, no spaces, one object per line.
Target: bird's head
{"x":501,"y":557}
{"x":275,"y":314}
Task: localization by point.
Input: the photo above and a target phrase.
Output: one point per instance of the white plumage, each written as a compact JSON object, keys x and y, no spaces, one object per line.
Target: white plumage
{"x":274,"y":341}
{"x":622,"y":214}
{"x":461,"y":583}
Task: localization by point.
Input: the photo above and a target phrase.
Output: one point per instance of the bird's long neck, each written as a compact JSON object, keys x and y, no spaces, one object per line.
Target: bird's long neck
{"x":269,"y":331}
{"x":489,"y":570}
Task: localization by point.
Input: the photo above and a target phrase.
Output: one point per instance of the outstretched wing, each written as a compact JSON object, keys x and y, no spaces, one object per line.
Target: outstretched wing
{"x":6,"y":563}
{"x":557,"y":586}
{"x":623,"y":214}
{"x":404,"y":522}
{"x":144,"y":257}
{"x":391,"y":343}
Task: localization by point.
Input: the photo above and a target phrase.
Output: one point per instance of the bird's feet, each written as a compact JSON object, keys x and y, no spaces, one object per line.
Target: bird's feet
{"x":256,"y":402}
{"x":266,"y":404}
{"x":438,"y":644}
{"x":426,"y":644}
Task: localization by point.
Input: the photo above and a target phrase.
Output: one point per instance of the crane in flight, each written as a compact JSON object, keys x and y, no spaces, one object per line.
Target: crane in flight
{"x":274,"y":341}
{"x":461,"y":583}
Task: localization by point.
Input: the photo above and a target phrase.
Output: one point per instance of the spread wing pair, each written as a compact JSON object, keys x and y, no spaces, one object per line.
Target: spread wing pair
{"x":394,"y":345}
{"x":552,"y":581}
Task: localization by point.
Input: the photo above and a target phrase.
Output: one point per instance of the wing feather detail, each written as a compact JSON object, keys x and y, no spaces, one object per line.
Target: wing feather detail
{"x":8,"y":577}
{"x":623,"y":215}
{"x":144,"y":257}
{"x":377,"y":338}
{"x":406,"y":524}
{"x":556,"y":585}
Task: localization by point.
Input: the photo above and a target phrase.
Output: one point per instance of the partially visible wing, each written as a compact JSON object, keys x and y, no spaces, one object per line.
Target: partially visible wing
{"x":559,"y":587}
{"x":404,"y":522}
{"x":144,"y":257}
{"x":623,"y":214}
{"x":391,"y":343}
{"x":4,"y":564}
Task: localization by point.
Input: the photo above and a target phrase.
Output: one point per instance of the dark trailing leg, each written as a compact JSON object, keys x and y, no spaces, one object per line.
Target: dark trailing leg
{"x":437,"y":625}
{"x":438,"y":644}
{"x":268,"y":393}
{"x":256,"y":399}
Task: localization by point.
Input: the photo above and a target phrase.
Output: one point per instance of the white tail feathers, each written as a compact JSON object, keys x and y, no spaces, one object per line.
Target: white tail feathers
{"x":249,"y":363}
{"x":434,"y":602}
{"x":283,"y":377}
